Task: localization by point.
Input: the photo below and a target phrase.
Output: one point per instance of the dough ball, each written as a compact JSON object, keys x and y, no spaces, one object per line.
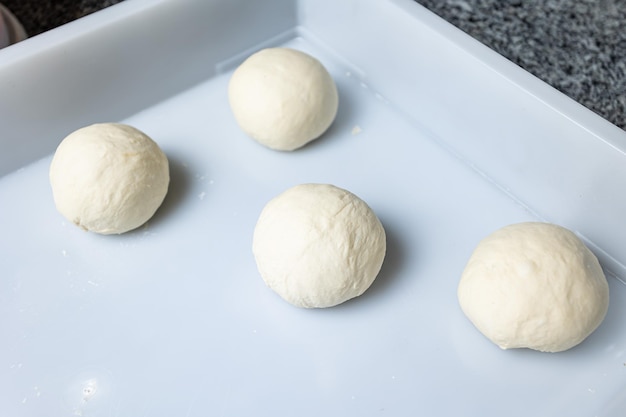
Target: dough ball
{"x":534,"y":285}
{"x":108,"y":178}
{"x":283,"y":98}
{"x":317,"y":245}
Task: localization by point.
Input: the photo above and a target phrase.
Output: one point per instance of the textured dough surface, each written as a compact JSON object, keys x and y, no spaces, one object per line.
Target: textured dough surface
{"x":108,"y":178}
{"x":317,"y":245}
{"x":534,"y":285}
{"x":283,"y":98}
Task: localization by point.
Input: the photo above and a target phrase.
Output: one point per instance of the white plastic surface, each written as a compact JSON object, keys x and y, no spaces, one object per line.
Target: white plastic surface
{"x":173,"y":319}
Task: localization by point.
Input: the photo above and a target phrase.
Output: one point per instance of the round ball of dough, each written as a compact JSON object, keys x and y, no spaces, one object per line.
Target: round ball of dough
{"x":108,"y":178}
{"x":283,"y":98}
{"x":317,"y":245}
{"x":534,"y":285}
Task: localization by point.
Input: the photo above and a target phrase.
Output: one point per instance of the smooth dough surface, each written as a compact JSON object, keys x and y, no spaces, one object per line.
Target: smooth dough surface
{"x":108,"y":178}
{"x":317,"y":245}
{"x":534,"y":285}
{"x":283,"y":98}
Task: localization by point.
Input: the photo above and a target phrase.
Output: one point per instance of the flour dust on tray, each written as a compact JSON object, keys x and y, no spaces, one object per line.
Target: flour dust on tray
{"x":318,"y":245}
{"x":283,"y":98}
{"x":108,"y":178}
{"x":534,"y":285}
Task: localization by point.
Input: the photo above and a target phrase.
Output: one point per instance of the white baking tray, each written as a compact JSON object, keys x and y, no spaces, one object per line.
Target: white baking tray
{"x":445,"y":140}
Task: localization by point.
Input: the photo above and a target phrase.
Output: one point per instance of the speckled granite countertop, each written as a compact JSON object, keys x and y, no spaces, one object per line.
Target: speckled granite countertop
{"x":577,"y":46}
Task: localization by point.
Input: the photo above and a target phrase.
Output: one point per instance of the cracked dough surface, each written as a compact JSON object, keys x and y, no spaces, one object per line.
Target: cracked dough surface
{"x":534,"y":285}
{"x":317,"y":245}
{"x":108,"y":178}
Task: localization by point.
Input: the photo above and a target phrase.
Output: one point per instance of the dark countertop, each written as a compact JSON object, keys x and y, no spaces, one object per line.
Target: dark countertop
{"x":577,"y":46}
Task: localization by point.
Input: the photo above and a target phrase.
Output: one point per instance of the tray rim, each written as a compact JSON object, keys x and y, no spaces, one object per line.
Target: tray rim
{"x":585,"y":109}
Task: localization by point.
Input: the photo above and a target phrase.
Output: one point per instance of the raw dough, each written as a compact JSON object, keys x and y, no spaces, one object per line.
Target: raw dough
{"x":318,"y":245}
{"x":108,"y":178}
{"x":283,"y":98}
{"x":534,"y":285}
